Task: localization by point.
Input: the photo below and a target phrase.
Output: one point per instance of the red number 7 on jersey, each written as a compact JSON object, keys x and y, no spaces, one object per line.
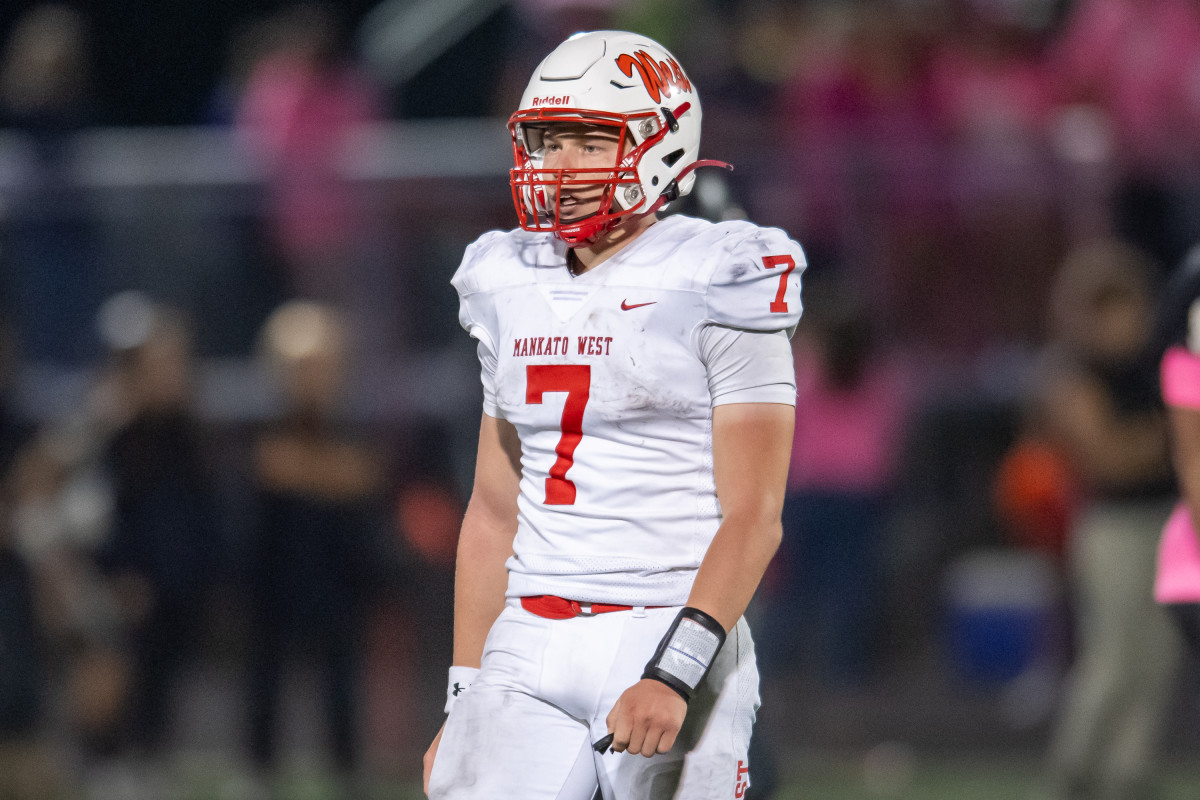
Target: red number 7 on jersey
{"x":576,"y":381}
{"x":778,"y":306}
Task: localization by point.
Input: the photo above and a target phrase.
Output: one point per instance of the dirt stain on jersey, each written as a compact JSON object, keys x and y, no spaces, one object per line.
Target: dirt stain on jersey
{"x":643,"y":398}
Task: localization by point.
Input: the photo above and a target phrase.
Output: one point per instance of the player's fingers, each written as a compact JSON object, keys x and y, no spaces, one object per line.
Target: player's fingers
{"x":650,"y":744}
{"x":621,"y":727}
{"x":637,"y":737}
{"x":667,"y":741}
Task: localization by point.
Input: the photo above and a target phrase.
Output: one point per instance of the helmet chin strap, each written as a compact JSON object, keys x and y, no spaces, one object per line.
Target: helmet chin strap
{"x":589,"y":233}
{"x":669,"y":194}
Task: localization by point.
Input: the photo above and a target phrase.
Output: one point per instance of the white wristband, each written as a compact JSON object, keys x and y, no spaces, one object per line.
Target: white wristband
{"x":460,"y":680}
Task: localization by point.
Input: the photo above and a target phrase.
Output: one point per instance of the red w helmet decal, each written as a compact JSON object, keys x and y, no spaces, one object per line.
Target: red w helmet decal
{"x":659,"y":77}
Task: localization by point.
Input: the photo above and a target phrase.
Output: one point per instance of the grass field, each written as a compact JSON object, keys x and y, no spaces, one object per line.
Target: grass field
{"x":943,"y":780}
{"x":881,"y":774}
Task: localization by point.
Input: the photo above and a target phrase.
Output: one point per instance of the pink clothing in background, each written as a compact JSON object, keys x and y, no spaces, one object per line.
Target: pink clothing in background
{"x":847,"y":440}
{"x":1137,"y":59}
{"x":1178,"y":578}
{"x":1181,"y":378}
{"x":986,"y":96}
{"x":299,"y":117}
{"x":843,"y":127}
{"x":995,"y":109}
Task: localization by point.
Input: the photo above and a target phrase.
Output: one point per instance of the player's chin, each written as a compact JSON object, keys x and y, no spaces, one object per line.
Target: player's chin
{"x":576,"y":213}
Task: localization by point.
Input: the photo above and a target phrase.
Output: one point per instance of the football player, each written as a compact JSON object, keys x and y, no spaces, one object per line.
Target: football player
{"x":1177,"y":581}
{"x":638,"y":412}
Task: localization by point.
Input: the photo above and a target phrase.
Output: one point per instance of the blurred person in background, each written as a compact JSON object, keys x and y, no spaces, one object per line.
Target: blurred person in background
{"x":851,"y":406}
{"x":52,"y":287}
{"x":163,"y":547}
{"x":61,"y":511}
{"x":993,"y":102}
{"x":1142,"y":96}
{"x":27,"y":771}
{"x":1099,"y":402}
{"x":317,"y":556}
{"x":863,"y":164}
{"x":301,"y":101}
{"x":1177,"y":585}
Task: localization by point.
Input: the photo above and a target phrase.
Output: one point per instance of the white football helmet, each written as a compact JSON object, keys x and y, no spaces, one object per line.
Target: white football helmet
{"x":612,"y":79}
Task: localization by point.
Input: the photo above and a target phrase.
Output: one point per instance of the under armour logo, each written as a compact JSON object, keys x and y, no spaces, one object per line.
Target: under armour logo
{"x":458,"y":689}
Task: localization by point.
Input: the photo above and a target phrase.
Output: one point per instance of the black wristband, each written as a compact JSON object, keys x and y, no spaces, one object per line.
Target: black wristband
{"x":686,"y":651}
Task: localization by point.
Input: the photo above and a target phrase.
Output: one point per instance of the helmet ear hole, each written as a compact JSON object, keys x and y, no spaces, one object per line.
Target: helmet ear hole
{"x":671,"y":158}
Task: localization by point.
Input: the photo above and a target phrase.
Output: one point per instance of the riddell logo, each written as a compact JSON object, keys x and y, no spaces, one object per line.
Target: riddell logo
{"x":551,"y":100}
{"x":661,"y":78}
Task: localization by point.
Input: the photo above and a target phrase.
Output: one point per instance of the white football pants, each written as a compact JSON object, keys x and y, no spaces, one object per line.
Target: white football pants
{"x":524,"y":729}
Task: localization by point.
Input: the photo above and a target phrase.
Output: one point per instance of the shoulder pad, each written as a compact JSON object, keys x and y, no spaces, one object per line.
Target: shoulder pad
{"x":499,"y":259}
{"x":484,"y":264}
{"x":754,"y":283}
{"x":471,"y":274}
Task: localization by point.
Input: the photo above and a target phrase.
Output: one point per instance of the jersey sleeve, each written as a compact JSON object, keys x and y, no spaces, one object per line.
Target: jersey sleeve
{"x":755,"y":284}
{"x":748,"y":366}
{"x":487,"y":376}
{"x":477,"y":316}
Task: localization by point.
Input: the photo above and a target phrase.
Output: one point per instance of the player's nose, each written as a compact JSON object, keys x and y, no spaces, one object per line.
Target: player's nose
{"x":563,"y":160}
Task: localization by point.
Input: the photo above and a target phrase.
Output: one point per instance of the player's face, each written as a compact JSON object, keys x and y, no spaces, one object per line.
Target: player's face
{"x":580,"y":147}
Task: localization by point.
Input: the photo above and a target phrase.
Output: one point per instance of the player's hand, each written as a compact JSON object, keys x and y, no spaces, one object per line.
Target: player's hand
{"x":646,"y":718}
{"x":427,"y":761}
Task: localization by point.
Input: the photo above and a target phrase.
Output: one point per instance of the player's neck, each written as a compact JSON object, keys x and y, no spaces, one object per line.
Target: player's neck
{"x":586,"y":257}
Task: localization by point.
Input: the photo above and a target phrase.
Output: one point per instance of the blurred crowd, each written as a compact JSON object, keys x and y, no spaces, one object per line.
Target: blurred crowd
{"x":943,"y":154}
{"x":990,"y":209}
{"x":139,"y":542}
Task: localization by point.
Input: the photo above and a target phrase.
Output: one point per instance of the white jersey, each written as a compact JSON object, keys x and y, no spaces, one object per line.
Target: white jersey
{"x":603,"y":376}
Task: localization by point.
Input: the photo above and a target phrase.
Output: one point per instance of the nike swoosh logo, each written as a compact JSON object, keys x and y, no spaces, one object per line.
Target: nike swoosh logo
{"x":626,"y":307}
